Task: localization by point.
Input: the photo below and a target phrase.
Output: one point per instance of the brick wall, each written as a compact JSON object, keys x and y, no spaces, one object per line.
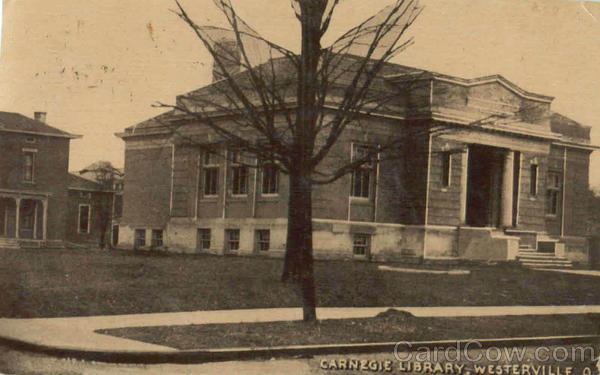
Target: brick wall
{"x":444,"y":201}
{"x":576,"y":189}
{"x":147,"y":188}
{"x":50,"y":175}
{"x":101,"y":206}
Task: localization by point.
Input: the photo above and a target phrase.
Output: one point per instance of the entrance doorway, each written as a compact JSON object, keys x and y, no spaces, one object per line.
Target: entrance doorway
{"x":484,"y":186}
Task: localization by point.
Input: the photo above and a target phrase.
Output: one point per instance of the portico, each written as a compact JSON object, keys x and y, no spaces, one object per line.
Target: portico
{"x":23,"y":215}
{"x":490,"y":186}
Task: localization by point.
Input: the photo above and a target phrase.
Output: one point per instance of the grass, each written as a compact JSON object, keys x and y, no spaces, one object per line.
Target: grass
{"x":51,"y":283}
{"x":384,"y":328}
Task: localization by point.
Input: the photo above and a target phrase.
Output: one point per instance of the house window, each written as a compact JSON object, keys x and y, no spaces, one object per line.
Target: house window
{"x":361,"y":176}
{"x":232,"y":239}
{"x":263,"y":237}
{"x":157,"y":237}
{"x":533,"y":179}
{"x":210,"y":174}
{"x":446,"y":168}
{"x":203,"y":239}
{"x":28,"y":166}
{"x":83,"y":225}
{"x":239,"y":180}
{"x":270,"y":179}
{"x":361,"y":244}
{"x":140,"y":238}
{"x":553,"y":193}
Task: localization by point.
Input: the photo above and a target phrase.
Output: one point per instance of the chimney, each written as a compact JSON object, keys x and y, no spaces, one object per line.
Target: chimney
{"x":40,"y":116}
{"x":229,"y":55}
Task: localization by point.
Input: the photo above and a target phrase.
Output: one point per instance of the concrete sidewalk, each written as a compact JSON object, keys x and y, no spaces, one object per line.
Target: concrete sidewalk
{"x":78,"y":332}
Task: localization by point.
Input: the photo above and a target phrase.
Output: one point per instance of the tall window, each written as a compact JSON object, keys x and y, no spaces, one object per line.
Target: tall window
{"x":157,"y":237}
{"x":83,"y":225}
{"x":239,"y":180}
{"x":446,"y":168}
{"x":361,"y":244}
{"x":553,"y":195}
{"x":232,"y":239}
{"x":210,"y":174}
{"x":203,"y":239}
{"x":263,"y":237}
{"x":533,"y":179}
{"x":140,"y":238}
{"x":270,"y":179}
{"x":28,"y":166}
{"x":361,"y":176}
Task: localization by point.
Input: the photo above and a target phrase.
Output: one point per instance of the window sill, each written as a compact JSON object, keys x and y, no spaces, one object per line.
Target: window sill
{"x":209,"y":198}
{"x":361,"y":200}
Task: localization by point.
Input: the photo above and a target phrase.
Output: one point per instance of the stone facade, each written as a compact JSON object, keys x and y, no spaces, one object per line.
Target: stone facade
{"x":506,"y":171}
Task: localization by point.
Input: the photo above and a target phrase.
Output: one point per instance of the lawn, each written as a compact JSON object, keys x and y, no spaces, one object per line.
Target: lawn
{"x":50,"y":283}
{"x":384,"y":328}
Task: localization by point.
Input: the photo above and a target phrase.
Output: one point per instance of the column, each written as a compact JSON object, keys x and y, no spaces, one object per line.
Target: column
{"x":44,"y":219}
{"x":507,"y":189}
{"x":35,"y":221}
{"x":464,"y":162}
{"x":17,"y":217}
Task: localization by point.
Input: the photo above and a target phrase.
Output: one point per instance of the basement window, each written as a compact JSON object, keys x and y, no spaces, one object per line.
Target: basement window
{"x":232,"y":239}
{"x":157,"y":238}
{"x":361,"y":244}
{"x":203,"y":239}
{"x":263,"y":237}
{"x":140,"y":238}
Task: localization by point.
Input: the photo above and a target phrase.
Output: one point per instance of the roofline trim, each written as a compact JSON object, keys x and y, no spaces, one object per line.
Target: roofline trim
{"x":576,"y":145}
{"x":89,"y":190}
{"x":67,"y":135}
{"x":474,"y":82}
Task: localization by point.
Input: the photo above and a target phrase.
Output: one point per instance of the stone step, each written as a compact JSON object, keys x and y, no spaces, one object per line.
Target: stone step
{"x":9,"y":243}
{"x":546,"y":265}
{"x":535,"y":256}
{"x":27,"y":244}
{"x":544,"y":261}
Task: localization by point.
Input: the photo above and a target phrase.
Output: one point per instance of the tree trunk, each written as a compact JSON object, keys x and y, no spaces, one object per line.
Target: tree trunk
{"x":298,"y":266}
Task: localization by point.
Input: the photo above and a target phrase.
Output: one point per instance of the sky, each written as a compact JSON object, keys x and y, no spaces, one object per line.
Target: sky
{"x":98,"y":66}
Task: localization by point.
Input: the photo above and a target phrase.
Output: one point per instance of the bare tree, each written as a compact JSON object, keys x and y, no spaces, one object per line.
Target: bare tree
{"x":290,"y":108}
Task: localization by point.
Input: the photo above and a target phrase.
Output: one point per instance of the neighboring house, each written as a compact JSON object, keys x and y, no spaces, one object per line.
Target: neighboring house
{"x":94,"y":209}
{"x":476,"y":192}
{"x":33,"y":181}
